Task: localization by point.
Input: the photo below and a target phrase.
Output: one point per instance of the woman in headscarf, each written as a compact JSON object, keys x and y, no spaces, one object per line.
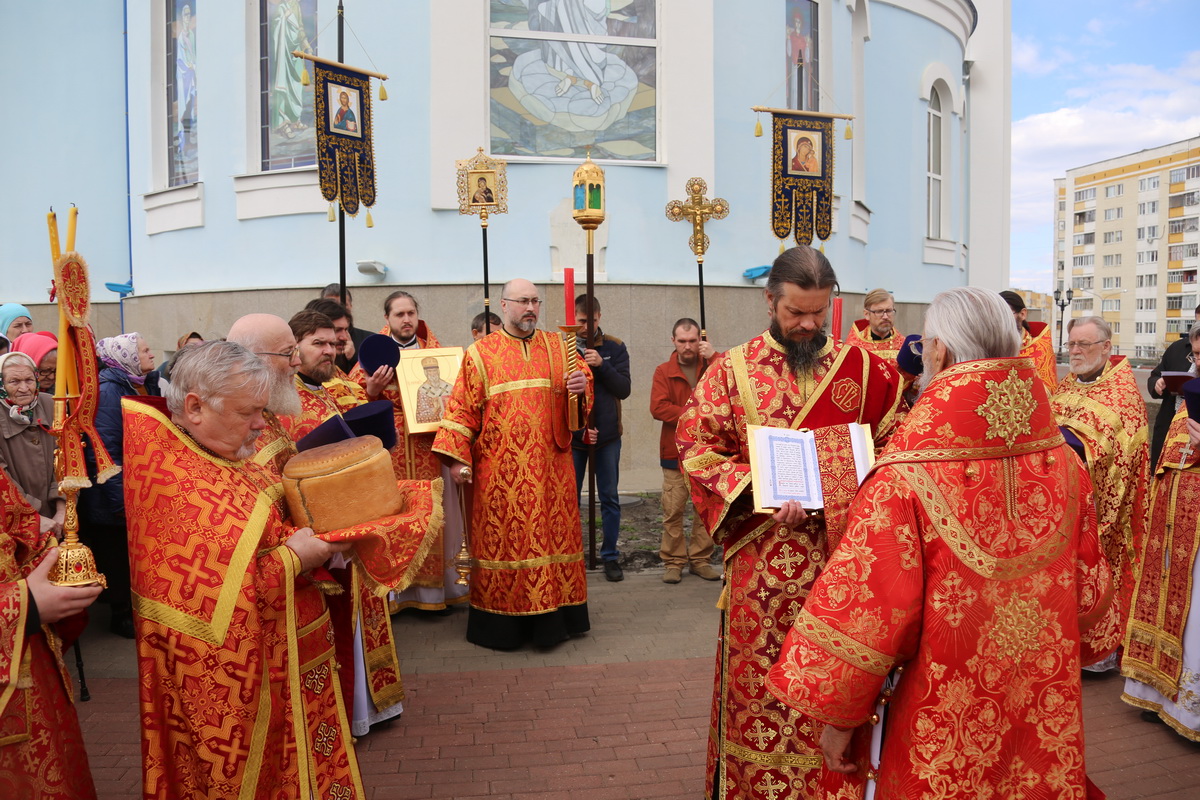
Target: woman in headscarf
{"x":26,"y":446}
{"x":15,"y":319}
{"x":42,"y":347}
{"x":128,"y":368}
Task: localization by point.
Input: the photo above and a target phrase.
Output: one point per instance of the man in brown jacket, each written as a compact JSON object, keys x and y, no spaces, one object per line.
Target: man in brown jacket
{"x":674,"y":380}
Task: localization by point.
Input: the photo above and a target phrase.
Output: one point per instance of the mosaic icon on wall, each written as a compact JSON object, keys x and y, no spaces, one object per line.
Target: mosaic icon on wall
{"x":566,"y":75}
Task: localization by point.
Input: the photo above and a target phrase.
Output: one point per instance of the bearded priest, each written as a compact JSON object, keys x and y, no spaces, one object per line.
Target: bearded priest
{"x":792,"y":375}
{"x":971,"y":565}
{"x":1100,"y":402}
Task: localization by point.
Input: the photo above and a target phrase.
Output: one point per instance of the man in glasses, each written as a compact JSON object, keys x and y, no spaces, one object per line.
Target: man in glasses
{"x":792,"y":375}
{"x":1100,"y":403}
{"x":270,"y":338}
{"x":506,"y":432}
{"x":877,"y":332}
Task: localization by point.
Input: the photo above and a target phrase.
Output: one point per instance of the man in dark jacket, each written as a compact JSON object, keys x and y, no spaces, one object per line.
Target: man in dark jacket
{"x":674,"y":380}
{"x":1175,"y":359}
{"x":609,"y":360}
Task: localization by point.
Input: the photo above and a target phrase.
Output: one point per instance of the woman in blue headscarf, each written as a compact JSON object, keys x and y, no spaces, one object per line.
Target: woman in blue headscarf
{"x":15,"y":319}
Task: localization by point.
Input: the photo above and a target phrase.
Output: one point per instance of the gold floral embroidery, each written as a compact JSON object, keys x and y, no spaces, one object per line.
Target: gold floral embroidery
{"x":1009,"y":408}
{"x":842,"y":646}
{"x":953,"y":596}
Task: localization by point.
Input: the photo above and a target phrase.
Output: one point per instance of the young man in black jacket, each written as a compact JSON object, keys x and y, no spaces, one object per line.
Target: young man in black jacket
{"x":609,"y":362}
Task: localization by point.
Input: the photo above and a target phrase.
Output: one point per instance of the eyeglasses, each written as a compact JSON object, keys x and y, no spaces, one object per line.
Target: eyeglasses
{"x":1191,"y":358}
{"x":524,"y":301}
{"x":1083,"y":345}
{"x":883,"y":312}
{"x":916,"y":346}
{"x":47,"y":373}
{"x":288,"y":356}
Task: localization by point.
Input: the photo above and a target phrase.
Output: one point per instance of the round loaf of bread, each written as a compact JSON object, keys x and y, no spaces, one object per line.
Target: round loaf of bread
{"x":341,"y":485}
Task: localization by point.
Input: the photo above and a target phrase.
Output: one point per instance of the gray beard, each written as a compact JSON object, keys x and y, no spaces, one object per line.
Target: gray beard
{"x":285,"y":398}
{"x":525,"y":325}
{"x":800,"y":356}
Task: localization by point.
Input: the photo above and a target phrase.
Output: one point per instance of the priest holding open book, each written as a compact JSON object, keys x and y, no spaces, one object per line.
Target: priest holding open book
{"x":791,"y":377}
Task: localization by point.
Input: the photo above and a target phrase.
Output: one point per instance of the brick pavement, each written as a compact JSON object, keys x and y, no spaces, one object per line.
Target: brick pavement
{"x":619,"y":714}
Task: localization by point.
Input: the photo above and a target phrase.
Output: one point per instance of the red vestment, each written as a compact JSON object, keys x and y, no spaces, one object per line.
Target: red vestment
{"x":41,"y":747}
{"x":860,"y":336}
{"x":1038,"y":344}
{"x":755,"y":741}
{"x":971,"y":564}
{"x":1109,"y":417}
{"x":1155,"y":643}
{"x":360,"y":610}
{"x":507,"y":420}
{"x":413,"y":458}
{"x":239,"y":691}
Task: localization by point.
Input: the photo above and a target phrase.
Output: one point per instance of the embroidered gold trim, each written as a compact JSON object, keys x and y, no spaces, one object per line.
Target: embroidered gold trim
{"x":956,"y":537}
{"x":968,"y":453}
{"x":461,"y":430}
{"x":843,"y":646}
{"x":703,"y":461}
{"x":513,"y":386}
{"x":531,"y":563}
{"x":771,"y":759}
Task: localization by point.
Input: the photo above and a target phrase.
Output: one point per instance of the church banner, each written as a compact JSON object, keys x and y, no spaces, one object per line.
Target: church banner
{"x":801,"y":175}
{"x":345,"y":155}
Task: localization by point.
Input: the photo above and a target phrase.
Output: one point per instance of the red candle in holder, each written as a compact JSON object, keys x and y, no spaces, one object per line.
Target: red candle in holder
{"x":837,"y":319}
{"x":569,"y":294}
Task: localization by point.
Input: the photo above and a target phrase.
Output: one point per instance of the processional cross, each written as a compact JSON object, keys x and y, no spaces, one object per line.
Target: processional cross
{"x":698,"y":209}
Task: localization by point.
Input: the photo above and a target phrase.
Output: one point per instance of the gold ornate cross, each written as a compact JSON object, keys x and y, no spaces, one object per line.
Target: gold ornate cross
{"x":698,"y":209}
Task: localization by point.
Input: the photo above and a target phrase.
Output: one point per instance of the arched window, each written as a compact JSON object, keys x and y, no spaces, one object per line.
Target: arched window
{"x":936,"y":160}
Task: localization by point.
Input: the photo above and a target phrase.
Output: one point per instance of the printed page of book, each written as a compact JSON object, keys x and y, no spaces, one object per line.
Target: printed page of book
{"x":783,"y":466}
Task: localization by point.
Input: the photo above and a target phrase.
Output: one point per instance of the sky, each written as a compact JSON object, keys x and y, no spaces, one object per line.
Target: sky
{"x":1092,"y":79}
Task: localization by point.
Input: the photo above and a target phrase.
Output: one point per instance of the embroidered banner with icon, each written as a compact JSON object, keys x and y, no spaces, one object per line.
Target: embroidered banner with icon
{"x":801,"y":175}
{"x":345,"y":155}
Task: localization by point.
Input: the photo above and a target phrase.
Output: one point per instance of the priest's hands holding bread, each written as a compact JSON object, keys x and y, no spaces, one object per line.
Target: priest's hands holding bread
{"x":311,"y":551}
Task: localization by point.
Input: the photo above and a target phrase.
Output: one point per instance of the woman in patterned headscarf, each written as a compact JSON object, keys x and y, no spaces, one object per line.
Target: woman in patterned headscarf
{"x":26,"y":446}
{"x":128,"y":368}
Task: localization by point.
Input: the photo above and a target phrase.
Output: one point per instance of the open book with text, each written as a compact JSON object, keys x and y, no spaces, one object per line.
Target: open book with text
{"x":785,"y":465}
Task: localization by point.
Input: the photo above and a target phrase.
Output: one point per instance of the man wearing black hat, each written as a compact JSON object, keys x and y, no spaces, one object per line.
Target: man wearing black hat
{"x":1100,"y":403}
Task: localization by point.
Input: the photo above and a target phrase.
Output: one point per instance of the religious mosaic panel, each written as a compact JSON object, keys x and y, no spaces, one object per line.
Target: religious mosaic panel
{"x":803,"y":55}
{"x":288,"y":138}
{"x":180,"y":55}
{"x":566,"y":75}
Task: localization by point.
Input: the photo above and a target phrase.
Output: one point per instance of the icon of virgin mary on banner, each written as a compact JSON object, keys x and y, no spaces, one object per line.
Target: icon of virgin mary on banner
{"x":801,"y":176}
{"x":345,"y":154}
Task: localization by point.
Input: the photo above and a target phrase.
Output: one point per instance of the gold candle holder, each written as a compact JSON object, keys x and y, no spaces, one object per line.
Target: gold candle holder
{"x":463,"y":561}
{"x":76,"y":566}
{"x":575,"y":419}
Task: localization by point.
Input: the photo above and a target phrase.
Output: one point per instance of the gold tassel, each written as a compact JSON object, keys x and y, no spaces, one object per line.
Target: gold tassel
{"x":781,"y":247}
{"x":757,"y":126}
{"x":304,"y":80}
{"x":370,"y":222}
{"x":822,"y":248}
{"x":382,"y":92}
{"x":849,"y":131}
{"x":332,"y":216}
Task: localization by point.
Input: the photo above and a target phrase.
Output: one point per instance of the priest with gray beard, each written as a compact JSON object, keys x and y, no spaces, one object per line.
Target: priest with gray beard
{"x":270,"y":338}
{"x":791,"y":376}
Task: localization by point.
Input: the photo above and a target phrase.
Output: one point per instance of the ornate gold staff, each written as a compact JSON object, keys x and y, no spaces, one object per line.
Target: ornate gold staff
{"x":587,"y":208}
{"x":463,"y":561}
{"x":74,"y":405}
{"x":698,"y":209}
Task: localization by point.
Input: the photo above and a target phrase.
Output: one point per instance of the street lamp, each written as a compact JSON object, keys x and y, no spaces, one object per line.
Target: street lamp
{"x":1062,"y":303}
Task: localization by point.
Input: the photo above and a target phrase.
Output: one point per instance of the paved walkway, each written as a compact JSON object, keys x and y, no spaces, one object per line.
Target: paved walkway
{"x":619,"y":714}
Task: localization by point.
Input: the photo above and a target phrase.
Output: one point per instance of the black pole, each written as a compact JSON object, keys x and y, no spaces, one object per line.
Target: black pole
{"x":591,"y":459}
{"x":84,"y":694}
{"x":703,"y":326}
{"x":341,"y":212}
{"x":487,"y":311}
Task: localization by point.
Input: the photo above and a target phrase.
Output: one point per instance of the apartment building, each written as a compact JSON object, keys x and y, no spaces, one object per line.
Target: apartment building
{"x":1126,"y":240}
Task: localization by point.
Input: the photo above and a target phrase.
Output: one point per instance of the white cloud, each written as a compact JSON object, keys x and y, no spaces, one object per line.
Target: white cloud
{"x":1114,"y":110}
{"x":1027,"y":57}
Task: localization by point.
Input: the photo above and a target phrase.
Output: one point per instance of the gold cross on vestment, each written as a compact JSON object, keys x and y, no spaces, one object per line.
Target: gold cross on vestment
{"x":1185,"y":454}
{"x":698,"y":209}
